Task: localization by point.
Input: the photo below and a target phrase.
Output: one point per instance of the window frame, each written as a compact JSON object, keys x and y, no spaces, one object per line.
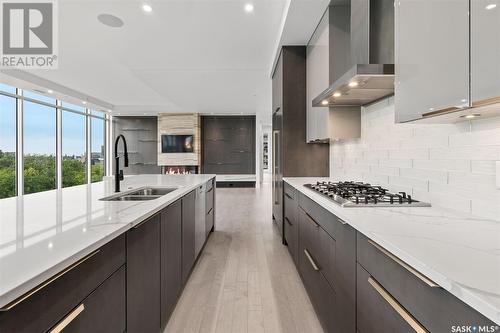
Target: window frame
{"x":59,"y":106}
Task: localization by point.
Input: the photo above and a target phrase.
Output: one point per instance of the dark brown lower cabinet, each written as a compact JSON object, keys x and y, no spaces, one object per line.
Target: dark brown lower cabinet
{"x":143,"y":277}
{"x":45,"y":308}
{"x":391,"y":295}
{"x":188,"y":234}
{"x":327,"y":265}
{"x":374,"y":312}
{"x":291,"y":224}
{"x":209,"y":206}
{"x":103,"y":311}
{"x":171,"y":263}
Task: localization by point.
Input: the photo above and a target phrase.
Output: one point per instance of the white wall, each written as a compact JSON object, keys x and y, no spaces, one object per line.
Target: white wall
{"x":450,"y":165}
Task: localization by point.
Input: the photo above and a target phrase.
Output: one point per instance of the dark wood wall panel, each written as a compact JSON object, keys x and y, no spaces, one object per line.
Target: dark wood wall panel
{"x":228,"y":144}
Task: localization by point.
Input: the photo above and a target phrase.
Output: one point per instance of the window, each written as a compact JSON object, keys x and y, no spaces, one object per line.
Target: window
{"x":74,"y":149}
{"x":7,"y":145}
{"x":73,"y":107}
{"x":81,"y":134}
{"x":38,"y":97}
{"x":97,"y":154}
{"x":39,"y":147}
{"x":7,"y":88}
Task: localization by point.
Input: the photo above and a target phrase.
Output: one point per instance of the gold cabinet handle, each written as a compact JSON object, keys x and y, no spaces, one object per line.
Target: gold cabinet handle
{"x":313,"y":264}
{"x":68,"y":319}
{"x":46,"y":283}
{"x":410,"y":269}
{"x":310,"y":219}
{"x":407,"y":317}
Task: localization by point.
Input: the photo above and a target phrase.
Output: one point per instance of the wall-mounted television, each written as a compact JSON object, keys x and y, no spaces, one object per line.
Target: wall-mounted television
{"x":177,"y":143}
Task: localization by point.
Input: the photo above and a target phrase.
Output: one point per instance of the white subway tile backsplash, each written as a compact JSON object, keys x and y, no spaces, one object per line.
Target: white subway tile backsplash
{"x":416,"y":153}
{"x":483,"y":167}
{"x":445,"y":165}
{"x":481,"y":138}
{"x":413,"y":183}
{"x":449,"y":165}
{"x":466,"y":153}
{"x":384,"y":170}
{"x":432,"y":175}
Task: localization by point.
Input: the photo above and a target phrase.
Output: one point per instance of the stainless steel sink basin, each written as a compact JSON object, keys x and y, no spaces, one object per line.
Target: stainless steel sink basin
{"x":141,"y":194}
{"x":147,"y":191}
{"x":133,"y":198}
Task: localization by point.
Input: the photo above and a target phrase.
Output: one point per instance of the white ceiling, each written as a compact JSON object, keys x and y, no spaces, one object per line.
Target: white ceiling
{"x":206,"y":56}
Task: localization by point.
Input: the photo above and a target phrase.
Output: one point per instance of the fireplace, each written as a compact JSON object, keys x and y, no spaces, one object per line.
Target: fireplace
{"x":180,"y":169}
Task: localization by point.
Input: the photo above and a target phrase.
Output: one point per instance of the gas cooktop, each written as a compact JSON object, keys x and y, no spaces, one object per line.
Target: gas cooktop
{"x":358,"y":194}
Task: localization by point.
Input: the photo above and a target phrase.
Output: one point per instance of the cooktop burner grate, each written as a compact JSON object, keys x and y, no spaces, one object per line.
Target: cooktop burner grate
{"x":359,"y":194}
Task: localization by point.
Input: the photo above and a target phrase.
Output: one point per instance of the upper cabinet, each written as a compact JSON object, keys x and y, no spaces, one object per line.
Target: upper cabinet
{"x":449,"y":61}
{"x":432,"y":57}
{"x":485,"y":52}
{"x":317,"y":77}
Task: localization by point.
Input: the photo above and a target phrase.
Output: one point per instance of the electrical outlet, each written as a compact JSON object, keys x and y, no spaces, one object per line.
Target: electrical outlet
{"x":498,"y":174}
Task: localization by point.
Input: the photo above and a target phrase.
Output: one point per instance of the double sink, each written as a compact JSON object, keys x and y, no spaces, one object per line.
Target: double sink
{"x":141,"y":194}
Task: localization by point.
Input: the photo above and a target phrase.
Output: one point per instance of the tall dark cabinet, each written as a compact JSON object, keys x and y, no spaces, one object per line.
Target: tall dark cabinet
{"x":228,"y":144}
{"x":292,"y":155}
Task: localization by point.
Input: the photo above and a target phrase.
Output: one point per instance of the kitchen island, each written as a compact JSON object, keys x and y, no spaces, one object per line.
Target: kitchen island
{"x":47,"y":238}
{"x":399,"y":267}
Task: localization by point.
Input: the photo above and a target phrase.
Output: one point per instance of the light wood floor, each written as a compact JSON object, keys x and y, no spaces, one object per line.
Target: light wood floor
{"x":245,"y":280}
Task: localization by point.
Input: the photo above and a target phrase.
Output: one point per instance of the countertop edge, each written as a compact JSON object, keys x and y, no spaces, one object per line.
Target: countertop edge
{"x":463,"y":294}
{"x":35,"y":281}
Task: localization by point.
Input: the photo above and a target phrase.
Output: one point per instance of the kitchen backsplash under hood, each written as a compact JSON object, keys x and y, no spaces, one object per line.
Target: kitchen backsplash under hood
{"x":371,"y":75}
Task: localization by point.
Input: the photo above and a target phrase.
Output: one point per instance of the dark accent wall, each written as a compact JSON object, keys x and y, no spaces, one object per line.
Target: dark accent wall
{"x":228,"y":144}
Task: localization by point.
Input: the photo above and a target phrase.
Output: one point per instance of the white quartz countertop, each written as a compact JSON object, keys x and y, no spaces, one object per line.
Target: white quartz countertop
{"x":459,"y":252}
{"x":43,"y":233}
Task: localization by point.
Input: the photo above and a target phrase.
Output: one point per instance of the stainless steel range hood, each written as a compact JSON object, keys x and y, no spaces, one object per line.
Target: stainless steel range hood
{"x":372,"y":53}
{"x":361,"y":85}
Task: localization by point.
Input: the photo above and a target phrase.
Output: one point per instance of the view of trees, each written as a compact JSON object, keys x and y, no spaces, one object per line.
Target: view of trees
{"x":7,"y":175}
{"x":40,"y":175}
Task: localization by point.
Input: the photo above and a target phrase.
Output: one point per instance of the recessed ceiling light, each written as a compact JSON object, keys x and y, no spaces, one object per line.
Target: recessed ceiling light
{"x":491,"y":6}
{"x":470,"y":116}
{"x":337,"y":94}
{"x":324,"y":102}
{"x":50,"y":91}
{"x":110,"y":20}
{"x":431,"y":109}
{"x":463,"y":101}
{"x":353,"y":84}
{"x":249,"y":8}
{"x":50,"y":245}
{"x":147,"y":8}
{"x":83,"y":102}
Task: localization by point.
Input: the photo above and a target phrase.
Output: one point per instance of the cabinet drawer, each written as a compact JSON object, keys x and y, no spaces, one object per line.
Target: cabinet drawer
{"x":435,"y":308}
{"x":291,"y":225}
{"x":209,"y":198}
{"x":374,"y":312}
{"x":209,"y":222}
{"x":329,"y":222}
{"x":45,"y":307}
{"x":290,"y":192}
{"x":103,"y":311}
{"x":210,"y":185}
{"x":320,"y":292}
{"x":320,"y":246}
